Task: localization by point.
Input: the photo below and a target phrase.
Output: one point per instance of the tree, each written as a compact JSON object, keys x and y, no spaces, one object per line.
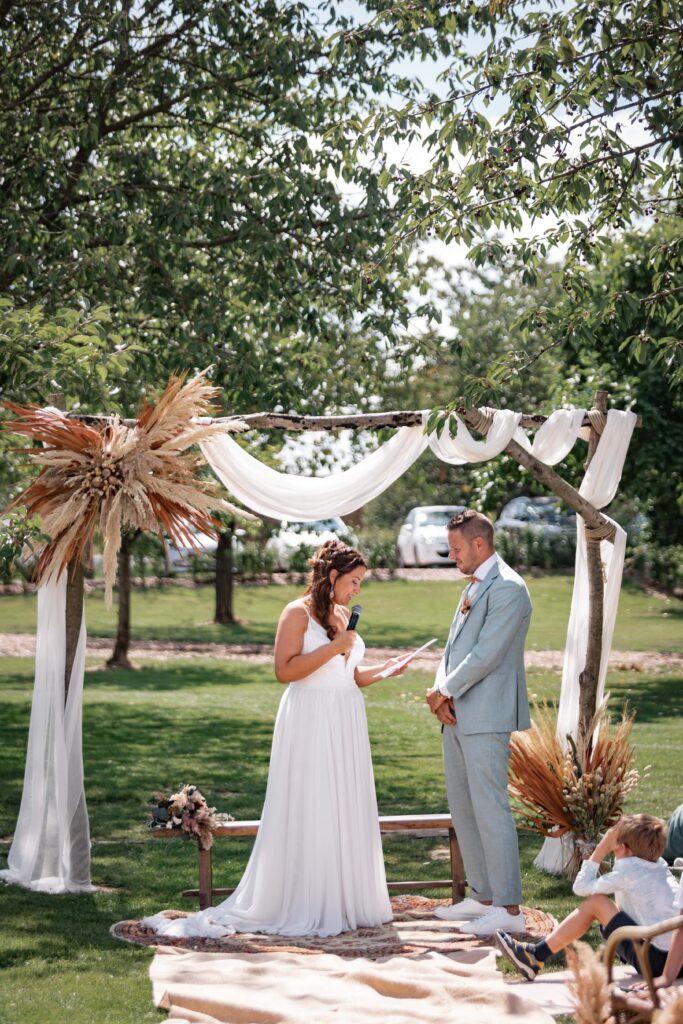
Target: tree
{"x":173,"y":161}
{"x":166,"y":159}
{"x":474,"y":354}
{"x":584,"y":138}
{"x":654,"y":468}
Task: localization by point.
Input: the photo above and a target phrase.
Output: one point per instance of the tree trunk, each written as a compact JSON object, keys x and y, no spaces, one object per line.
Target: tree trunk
{"x":119,"y":658}
{"x":588,"y":679}
{"x":225,"y":613}
{"x":74,"y":617}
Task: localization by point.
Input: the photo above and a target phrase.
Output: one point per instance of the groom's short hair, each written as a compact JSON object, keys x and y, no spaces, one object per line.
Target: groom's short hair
{"x":472,"y":524}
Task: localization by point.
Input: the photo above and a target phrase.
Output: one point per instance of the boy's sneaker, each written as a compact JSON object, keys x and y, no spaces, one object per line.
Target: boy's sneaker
{"x":522,"y":954}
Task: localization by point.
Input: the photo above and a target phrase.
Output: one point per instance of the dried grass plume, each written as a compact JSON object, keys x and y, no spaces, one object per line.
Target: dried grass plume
{"x":578,"y":789}
{"x":588,"y":986}
{"x":115,"y":477}
{"x":671,"y":1010}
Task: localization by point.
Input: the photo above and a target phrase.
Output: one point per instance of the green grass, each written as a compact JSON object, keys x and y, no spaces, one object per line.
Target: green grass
{"x":395,"y":613}
{"x":210,"y":722}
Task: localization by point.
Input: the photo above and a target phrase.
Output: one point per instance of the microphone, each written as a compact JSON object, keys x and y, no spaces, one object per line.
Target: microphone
{"x":355,"y":615}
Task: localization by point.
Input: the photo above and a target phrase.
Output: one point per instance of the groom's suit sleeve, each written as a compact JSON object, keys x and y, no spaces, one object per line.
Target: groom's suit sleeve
{"x":507,"y":609}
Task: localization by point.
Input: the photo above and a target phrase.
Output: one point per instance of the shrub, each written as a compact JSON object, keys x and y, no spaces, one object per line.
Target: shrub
{"x":533,"y":548}
{"x":379,"y":547}
{"x":662,"y":566}
{"x":253,"y":558}
{"x":298,"y":560}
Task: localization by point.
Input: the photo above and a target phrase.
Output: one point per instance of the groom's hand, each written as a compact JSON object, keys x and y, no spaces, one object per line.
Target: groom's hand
{"x":435,"y":698}
{"x":445,"y":713}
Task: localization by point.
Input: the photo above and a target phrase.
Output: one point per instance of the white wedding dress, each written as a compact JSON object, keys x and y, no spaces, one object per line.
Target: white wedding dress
{"x":317,"y":866}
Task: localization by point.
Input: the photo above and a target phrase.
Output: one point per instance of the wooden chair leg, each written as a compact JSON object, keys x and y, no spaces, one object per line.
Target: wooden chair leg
{"x":457,"y":867}
{"x":205,"y":879}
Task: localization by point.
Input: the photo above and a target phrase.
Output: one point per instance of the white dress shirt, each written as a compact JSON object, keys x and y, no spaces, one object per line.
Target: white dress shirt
{"x":481,"y":572}
{"x":646,"y":890}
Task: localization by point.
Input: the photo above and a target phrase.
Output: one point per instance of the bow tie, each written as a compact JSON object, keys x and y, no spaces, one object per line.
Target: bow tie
{"x":472,"y":579}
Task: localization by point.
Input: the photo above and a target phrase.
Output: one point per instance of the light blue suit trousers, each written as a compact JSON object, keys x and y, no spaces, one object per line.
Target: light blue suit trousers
{"x":483,"y":670}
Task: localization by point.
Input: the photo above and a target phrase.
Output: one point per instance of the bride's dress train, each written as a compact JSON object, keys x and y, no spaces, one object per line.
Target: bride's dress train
{"x":317,"y":866}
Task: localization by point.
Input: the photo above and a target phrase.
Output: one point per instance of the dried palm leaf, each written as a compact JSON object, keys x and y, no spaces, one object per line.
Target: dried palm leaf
{"x":118,"y":477}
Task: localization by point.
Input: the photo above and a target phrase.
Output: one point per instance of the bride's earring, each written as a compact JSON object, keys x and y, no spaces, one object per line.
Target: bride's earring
{"x":332,"y":592}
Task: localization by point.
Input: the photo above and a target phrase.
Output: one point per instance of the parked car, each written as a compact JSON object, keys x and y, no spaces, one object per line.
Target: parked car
{"x":546,"y":515}
{"x":292,"y":536}
{"x":423,"y":539}
{"x":178,"y":559}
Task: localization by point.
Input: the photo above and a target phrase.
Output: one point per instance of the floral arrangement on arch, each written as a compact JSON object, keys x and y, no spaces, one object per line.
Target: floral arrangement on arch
{"x":117,"y":476}
{"x":188,"y":811}
{"x":578,"y":791}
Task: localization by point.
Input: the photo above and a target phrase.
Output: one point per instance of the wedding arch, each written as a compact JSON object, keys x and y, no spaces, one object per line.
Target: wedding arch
{"x":100,"y":470}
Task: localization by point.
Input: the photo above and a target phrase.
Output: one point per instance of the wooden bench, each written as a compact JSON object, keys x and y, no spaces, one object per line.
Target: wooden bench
{"x":422,"y":826}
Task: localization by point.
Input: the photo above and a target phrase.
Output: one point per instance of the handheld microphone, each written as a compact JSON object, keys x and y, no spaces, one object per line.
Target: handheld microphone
{"x":355,"y":615}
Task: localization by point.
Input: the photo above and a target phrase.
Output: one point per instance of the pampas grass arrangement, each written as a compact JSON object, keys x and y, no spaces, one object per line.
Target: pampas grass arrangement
{"x":671,"y":1010}
{"x":588,"y":986}
{"x":590,"y":993}
{"x":578,"y":789}
{"x":116,"y":477}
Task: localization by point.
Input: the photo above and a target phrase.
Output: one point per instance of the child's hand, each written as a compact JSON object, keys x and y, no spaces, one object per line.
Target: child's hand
{"x":609,"y":841}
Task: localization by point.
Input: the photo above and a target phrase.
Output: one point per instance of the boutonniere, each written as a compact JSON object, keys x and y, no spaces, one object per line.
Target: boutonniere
{"x":465,"y":606}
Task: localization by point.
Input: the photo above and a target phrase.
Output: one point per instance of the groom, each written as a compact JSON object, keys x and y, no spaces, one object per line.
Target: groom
{"x":480,"y":697}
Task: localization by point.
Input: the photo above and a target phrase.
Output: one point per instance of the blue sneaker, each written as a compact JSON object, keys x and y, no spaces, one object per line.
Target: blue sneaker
{"x":521,"y":954}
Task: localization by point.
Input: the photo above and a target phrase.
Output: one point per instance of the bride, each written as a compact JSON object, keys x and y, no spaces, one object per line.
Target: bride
{"x":317,"y":866}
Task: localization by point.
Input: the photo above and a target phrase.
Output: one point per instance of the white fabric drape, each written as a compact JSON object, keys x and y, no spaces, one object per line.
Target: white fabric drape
{"x":463,"y":448}
{"x":287,"y":496}
{"x":599,"y":487}
{"x":50,"y":851}
{"x":556,"y":437}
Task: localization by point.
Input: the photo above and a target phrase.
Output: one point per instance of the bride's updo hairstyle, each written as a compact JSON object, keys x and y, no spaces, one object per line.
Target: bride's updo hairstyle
{"x":332,"y":555}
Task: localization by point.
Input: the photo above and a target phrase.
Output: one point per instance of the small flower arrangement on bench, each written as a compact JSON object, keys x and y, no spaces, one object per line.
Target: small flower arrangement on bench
{"x":188,"y":812}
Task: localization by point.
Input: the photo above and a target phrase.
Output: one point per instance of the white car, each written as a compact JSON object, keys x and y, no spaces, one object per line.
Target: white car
{"x":423,"y":540}
{"x":293,"y":535}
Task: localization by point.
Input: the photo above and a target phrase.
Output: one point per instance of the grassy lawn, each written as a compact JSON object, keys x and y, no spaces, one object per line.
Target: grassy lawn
{"x":210,"y":722}
{"x":395,"y":613}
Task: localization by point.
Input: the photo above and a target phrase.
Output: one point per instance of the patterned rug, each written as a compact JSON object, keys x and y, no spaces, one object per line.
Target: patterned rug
{"x":413,"y":932}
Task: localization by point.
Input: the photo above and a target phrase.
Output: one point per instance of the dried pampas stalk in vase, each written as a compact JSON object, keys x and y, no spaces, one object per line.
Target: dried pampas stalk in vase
{"x":671,"y":1011}
{"x":573,"y":790}
{"x":588,"y":986}
{"x":118,"y":477}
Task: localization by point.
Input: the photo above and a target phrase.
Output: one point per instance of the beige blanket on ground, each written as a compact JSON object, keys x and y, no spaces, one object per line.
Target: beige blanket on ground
{"x":285,"y":988}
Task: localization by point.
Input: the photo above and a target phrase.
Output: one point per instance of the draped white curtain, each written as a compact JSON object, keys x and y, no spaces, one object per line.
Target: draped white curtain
{"x":599,"y":487}
{"x":50,"y":851}
{"x":290,"y":496}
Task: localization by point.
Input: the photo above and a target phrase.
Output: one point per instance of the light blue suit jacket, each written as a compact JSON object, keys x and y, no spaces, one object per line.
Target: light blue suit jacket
{"x":483,"y":663}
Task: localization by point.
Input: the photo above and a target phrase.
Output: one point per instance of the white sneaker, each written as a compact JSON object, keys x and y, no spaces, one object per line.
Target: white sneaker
{"x":463,"y":911}
{"x":495,"y":919}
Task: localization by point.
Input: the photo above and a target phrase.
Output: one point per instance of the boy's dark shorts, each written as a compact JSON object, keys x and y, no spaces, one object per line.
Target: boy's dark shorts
{"x":626,"y":950}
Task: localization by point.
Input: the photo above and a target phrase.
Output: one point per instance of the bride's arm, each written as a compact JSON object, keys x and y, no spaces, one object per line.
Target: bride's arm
{"x":371,"y":673}
{"x":289,"y":663}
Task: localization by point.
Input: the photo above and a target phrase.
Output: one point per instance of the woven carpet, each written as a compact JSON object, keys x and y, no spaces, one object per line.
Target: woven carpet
{"x":413,"y":932}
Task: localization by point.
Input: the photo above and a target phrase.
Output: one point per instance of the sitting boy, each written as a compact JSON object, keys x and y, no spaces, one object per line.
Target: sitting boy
{"x":645,"y":891}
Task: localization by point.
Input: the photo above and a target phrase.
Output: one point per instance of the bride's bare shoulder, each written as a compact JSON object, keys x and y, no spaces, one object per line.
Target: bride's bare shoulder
{"x":296,"y":611}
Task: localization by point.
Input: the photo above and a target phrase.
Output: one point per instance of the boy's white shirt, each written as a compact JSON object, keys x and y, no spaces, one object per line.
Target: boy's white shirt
{"x":644,"y":889}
